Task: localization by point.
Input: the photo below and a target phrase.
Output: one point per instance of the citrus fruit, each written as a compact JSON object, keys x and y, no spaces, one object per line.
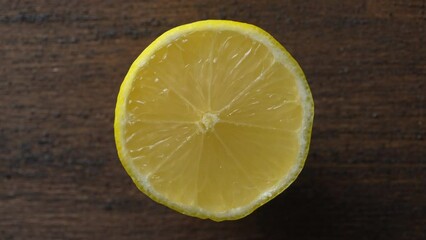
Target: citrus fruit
{"x":214,"y":119}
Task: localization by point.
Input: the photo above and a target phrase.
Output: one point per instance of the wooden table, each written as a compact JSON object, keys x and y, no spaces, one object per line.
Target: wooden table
{"x":62,"y":63}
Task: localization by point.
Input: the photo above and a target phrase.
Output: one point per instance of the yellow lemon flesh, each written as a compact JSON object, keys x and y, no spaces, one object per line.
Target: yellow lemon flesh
{"x":214,"y":119}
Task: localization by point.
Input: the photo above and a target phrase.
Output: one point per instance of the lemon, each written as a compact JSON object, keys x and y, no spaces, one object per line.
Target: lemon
{"x":214,"y":119}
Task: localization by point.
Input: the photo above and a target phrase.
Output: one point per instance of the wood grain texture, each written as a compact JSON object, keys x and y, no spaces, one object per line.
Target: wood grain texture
{"x":62,"y":63}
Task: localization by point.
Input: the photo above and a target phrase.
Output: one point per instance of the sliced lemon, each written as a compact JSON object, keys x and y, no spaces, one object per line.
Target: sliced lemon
{"x":214,"y":119}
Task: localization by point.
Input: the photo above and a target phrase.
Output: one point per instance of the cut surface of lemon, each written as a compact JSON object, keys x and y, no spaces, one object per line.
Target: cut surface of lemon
{"x":214,"y":119}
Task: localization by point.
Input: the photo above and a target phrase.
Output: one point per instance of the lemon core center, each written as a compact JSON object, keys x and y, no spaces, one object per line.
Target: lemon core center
{"x":208,"y":121}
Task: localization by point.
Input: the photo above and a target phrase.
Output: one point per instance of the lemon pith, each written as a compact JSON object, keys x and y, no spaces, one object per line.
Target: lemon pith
{"x":213,"y":119}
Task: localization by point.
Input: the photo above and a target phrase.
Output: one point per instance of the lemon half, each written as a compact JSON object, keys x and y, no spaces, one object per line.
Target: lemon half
{"x":214,"y":119}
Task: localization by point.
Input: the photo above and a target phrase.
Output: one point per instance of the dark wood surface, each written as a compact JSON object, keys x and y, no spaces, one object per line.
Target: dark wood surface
{"x":62,"y":63}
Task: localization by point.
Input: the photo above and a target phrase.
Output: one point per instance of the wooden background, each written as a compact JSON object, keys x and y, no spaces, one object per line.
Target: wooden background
{"x":62,"y":63}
